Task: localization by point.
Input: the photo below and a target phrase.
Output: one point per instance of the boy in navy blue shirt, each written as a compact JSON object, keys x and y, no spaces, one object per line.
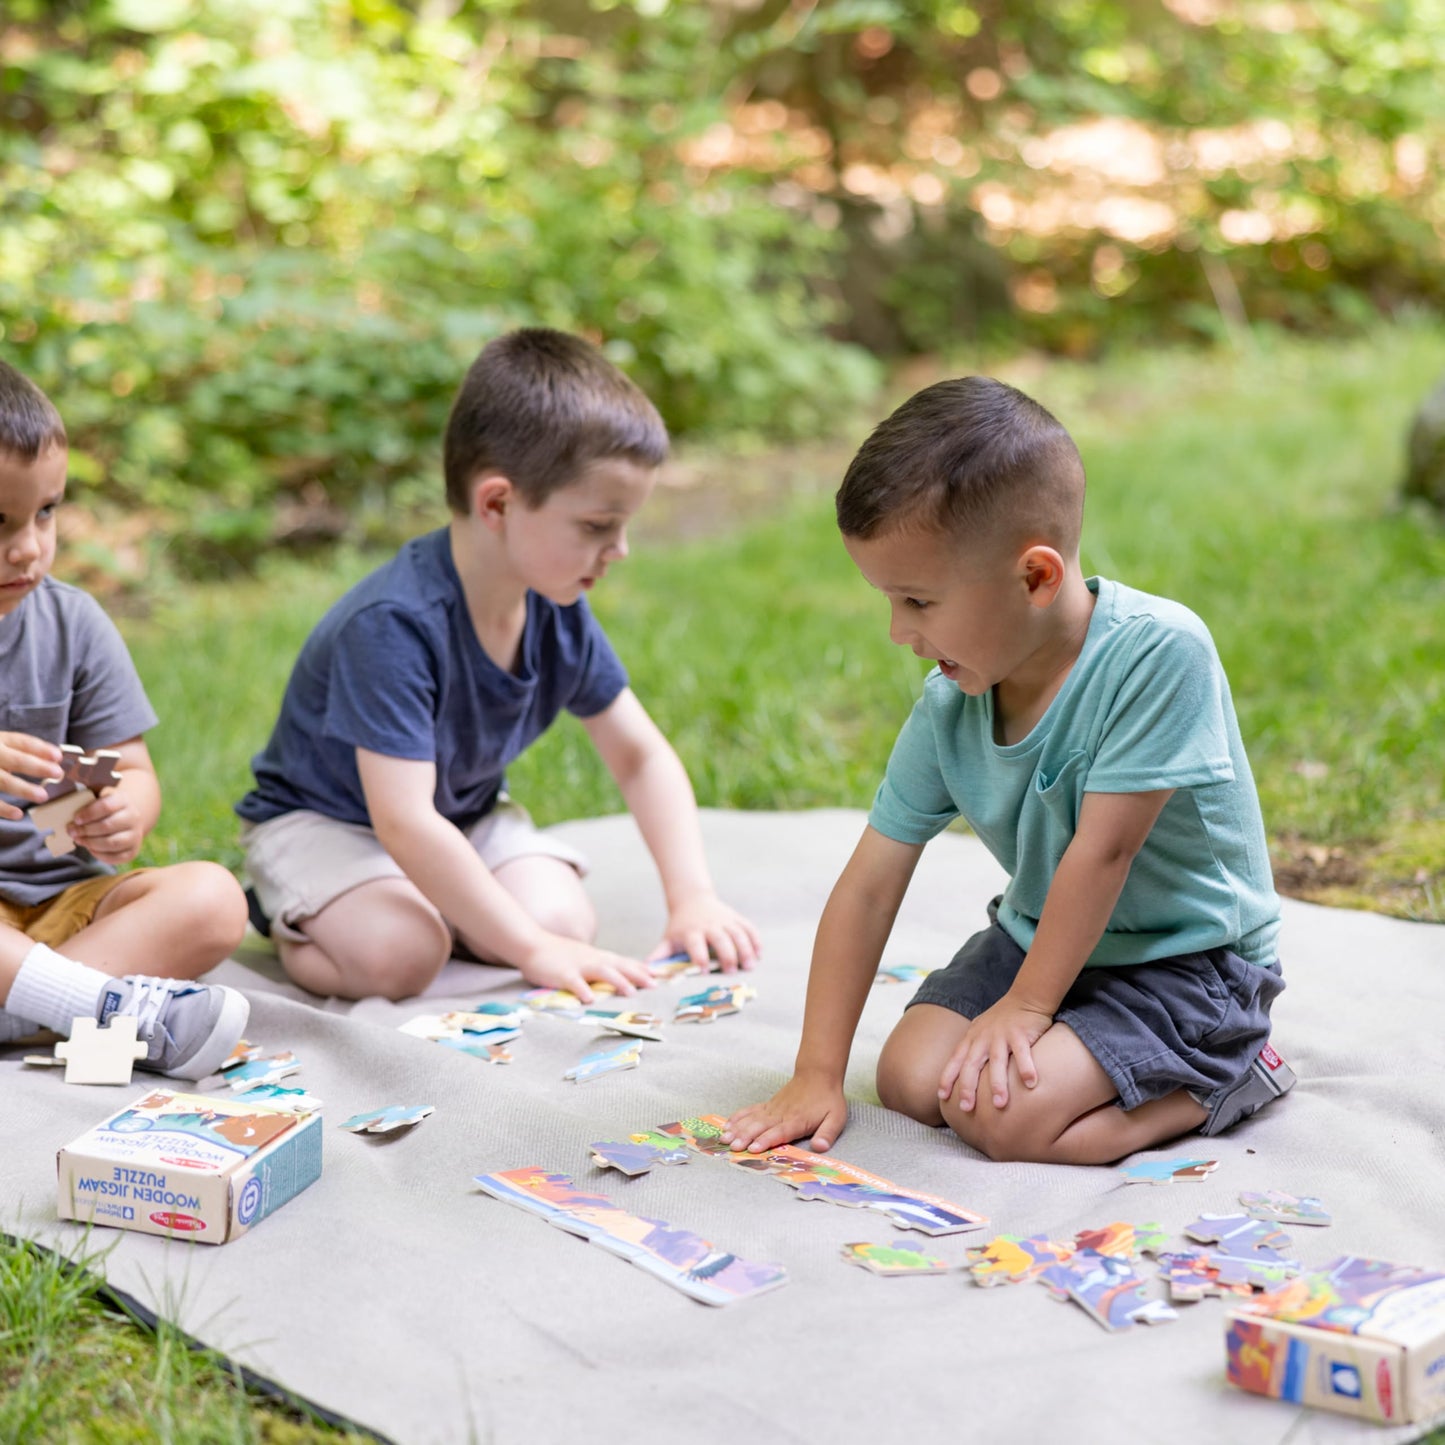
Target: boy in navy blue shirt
{"x":379,"y":834}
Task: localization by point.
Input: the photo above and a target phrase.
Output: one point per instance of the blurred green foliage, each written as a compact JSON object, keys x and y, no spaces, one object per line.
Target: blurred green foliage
{"x":251,"y":248}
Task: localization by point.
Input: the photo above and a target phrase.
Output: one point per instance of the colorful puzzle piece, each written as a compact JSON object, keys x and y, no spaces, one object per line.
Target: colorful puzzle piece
{"x":1109,"y":1289}
{"x":1282,"y":1208}
{"x":1168,"y":1171}
{"x":626,"y":1054}
{"x":1342,"y":1294}
{"x":295,"y":1101}
{"x":1123,"y":1241}
{"x":633,"y":1158}
{"x":1008,"y":1259}
{"x":393,"y":1116}
{"x":898,"y":1258}
{"x":263,"y":1071}
{"x":1192,"y":1273}
{"x":902,"y":973}
{"x":478,"y":1048}
{"x":676,"y":1256}
{"x":243,"y":1053}
{"x":713,"y":1003}
{"x":545,"y":1000}
{"x":817,"y":1176}
{"x":95,"y":1055}
{"x":488,"y":1022}
{"x":1240,"y":1237}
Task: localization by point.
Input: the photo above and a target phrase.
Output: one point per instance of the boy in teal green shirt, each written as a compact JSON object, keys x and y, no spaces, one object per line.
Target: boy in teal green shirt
{"x":1120,"y":995}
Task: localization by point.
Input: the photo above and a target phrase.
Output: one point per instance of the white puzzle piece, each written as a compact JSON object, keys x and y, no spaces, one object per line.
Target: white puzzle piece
{"x":95,"y":1055}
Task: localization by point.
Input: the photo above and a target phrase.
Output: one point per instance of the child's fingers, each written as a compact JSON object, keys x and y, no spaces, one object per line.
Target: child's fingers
{"x":721,"y":944}
{"x":998,"y":1075}
{"x":951,"y":1070}
{"x":1024,"y":1059}
{"x":826,"y":1134}
{"x":22,"y":787}
{"x":575,"y":984}
{"x":9,"y":810}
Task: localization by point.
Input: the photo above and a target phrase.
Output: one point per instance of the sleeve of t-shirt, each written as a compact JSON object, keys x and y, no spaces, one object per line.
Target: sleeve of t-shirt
{"x":912,"y":804}
{"x":1167,"y":726}
{"x":600,"y":674}
{"x":108,"y":702}
{"x":382,"y":688}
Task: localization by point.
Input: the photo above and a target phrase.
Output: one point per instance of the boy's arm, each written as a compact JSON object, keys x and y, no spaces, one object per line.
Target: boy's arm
{"x":114,"y":827}
{"x":1112,"y":828}
{"x":655,"y":786}
{"x":851,"y":934}
{"x":436,"y":856}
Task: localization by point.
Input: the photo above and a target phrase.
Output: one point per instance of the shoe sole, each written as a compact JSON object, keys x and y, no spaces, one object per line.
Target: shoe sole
{"x":228,"y":1029}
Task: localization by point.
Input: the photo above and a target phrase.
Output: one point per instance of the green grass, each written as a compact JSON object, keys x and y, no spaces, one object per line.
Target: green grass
{"x":75,"y":1369}
{"x":1256,"y":487}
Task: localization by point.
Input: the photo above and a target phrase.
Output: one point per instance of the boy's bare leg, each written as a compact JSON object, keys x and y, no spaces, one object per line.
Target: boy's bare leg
{"x":551,"y":892}
{"x":379,"y":940}
{"x":173,"y":922}
{"x":1069,"y":1118}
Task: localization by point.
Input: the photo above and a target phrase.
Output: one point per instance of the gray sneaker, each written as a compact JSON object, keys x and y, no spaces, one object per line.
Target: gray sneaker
{"x":190,"y":1027}
{"x":1266,"y":1079}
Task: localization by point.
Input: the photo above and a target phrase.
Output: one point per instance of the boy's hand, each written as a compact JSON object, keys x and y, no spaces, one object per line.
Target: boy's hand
{"x":705,"y":924}
{"x":110,"y":827}
{"x":22,"y":759}
{"x":1008,"y":1028}
{"x":569,"y":963}
{"x":805,"y":1105}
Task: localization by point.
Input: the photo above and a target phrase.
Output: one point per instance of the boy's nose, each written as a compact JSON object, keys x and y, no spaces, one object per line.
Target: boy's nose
{"x":23,"y":546}
{"x":900,"y":631}
{"x":618,"y":549}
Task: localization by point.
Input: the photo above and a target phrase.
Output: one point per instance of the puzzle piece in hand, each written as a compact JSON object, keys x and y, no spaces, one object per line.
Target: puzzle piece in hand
{"x":1240,"y":1237}
{"x":626,"y":1054}
{"x":54,"y":817}
{"x":393,"y":1116}
{"x":1122,"y":1240}
{"x":713,"y":1003}
{"x":262,"y":1071}
{"x":898,"y":1258}
{"x":546,"y":1000}
{"x":96,"y":771}
{"x":1168,"y":1171}
{"x":95,"y":1055}
{"x":1109,"y":1289}
{"x":1007,"y":1259}
{"x":633,"y":1158}
{"x":1282,"y":1208}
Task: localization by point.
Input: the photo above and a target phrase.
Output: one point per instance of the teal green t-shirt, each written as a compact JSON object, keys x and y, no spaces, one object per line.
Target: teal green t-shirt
{"x":1146,"y":706}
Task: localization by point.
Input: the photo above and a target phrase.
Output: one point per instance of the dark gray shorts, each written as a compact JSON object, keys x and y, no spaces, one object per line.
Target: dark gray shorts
{"x":1192,"y":1022}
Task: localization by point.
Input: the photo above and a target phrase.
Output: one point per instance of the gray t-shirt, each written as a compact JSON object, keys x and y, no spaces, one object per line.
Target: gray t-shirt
{"x":66,"y":677}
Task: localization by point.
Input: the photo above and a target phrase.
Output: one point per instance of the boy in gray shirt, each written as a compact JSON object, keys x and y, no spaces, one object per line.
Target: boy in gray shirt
{"x":66,"y":677}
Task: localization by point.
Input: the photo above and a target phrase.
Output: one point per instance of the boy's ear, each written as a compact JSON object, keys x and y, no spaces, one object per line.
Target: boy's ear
{"x":491,"y":495}
{"x":1042,"y":569}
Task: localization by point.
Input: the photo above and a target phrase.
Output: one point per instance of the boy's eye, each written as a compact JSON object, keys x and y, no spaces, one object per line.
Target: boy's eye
{"x":597,"y":529}
{"x":914,"y":604}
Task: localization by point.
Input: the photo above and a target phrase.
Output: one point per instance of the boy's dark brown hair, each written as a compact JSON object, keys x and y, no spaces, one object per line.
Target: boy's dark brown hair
{"x":969,"y":456}
{"x":538,"y":407}
{"x":29,"y":422}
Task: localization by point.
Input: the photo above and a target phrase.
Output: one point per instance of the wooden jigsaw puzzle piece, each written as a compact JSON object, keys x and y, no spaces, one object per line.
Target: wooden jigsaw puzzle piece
{"x":95,"y":1055}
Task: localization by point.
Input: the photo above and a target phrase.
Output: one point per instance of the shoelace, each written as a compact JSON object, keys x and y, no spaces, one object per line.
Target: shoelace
{"x":148,"y":999}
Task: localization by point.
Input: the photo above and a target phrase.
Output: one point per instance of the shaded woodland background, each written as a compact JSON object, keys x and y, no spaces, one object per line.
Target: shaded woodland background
{"x":250,"y":248}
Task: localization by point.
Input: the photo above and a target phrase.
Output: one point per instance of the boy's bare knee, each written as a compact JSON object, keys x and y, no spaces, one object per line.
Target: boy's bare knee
{"x":906,"y":1088}
{"x":998,"y":1134}
{"x":570,"y":918}
{"x":217,"y":907}
{"x":396,"y":956}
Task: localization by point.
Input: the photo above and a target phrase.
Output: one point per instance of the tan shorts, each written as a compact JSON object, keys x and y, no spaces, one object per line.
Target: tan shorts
{"x":63,"y":916}
{"x":302,"y":861}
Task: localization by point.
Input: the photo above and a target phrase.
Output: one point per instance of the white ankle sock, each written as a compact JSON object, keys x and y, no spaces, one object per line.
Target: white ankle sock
{"x":53,"y":990}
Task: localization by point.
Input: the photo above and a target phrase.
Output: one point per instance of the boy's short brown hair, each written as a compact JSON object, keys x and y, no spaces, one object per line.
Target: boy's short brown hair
{"x":29,"y":422}
{"x":968,"y":456}
{"x":538,"y":407}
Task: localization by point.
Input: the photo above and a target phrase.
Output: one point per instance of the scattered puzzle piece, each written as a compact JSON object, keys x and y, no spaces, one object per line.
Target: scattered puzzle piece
{"x":1168,"y":1171}
{"x":1122,"y":1240}
{"x":489,"y":1022}
{"x":632,"y":1158}
{"x":95,"y":1055}
{"x":243,"y":1053}
{"x":1282,"y":1208}
{"x":1240,"y":1237}
{"x":896,"y":1259}
{"x":546,"y":1000}
{"x":478,"y":1048}
{"x":1191,"y":1274}
{"x":393,"y":1116}
{"x":676,"y":1256}
{"x":626,"y":1054}
{"x":1109,"y":1289}
{"x":296,"y":1101}
{"x":263,"y":1071}
{"x":42,"y":1061}
{"x":713,"y":1003}
{"x":903,"y":972}
{"x":1008,"y":1259}
{"x":818,"y":1176}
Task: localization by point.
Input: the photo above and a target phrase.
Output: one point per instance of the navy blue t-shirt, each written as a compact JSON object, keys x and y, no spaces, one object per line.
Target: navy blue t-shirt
{"x":395,"y":667}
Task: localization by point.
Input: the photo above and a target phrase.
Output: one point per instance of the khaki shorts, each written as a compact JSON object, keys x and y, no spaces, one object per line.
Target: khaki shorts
{"x":64,"y":915}
{"x":303,"y":861}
